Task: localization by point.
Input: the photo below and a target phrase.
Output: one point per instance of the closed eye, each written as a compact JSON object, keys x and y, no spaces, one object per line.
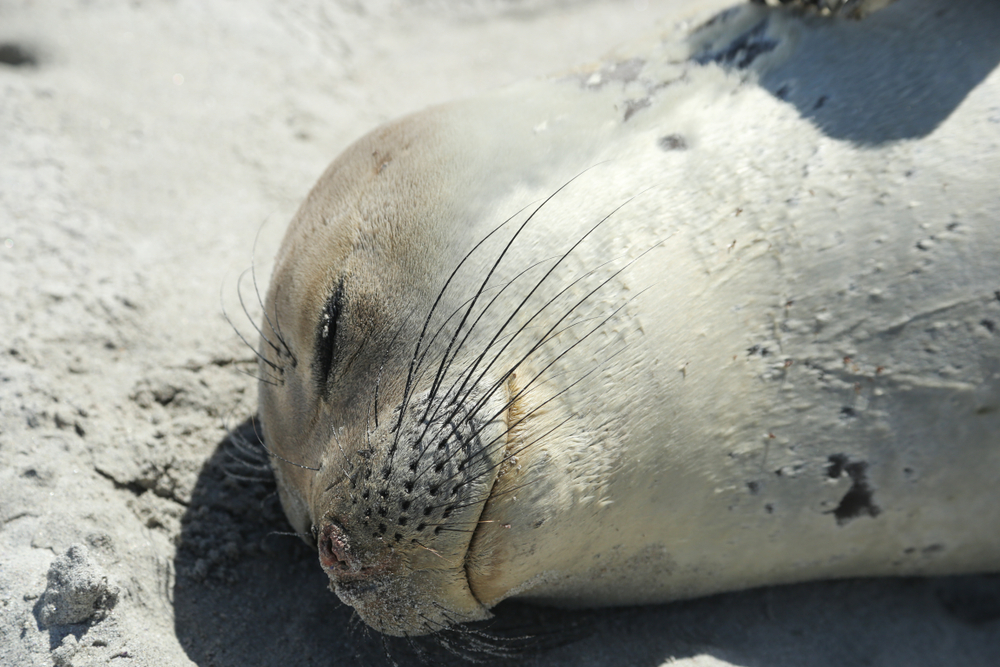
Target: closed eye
{"x":326,"y":339}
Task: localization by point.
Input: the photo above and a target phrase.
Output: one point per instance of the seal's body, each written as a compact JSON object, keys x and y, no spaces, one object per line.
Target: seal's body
{"x":721,"y":312}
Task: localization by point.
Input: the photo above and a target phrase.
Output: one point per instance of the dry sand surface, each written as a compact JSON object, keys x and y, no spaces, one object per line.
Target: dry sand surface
{"x":143,"y":147}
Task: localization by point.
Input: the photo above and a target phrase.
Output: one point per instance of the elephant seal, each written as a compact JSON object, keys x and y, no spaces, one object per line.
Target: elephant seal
{"x":722,"y":311}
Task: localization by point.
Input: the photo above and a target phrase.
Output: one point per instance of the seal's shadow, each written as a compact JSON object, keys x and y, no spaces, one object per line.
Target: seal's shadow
{"x":245,"y":595}
{"x":248,"y":592}
{"x":895,"y":75}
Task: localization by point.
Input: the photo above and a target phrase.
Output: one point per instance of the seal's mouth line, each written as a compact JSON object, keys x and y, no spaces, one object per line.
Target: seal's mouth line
{"x":480,"y":523}
{"x":510,"y":389}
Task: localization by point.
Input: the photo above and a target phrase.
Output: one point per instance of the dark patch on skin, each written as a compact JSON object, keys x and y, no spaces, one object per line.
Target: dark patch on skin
{"x":848,"y":412}
{"x":753,"y":487}
{"x":16,"y":55}
{"x":758,"y":349}
{"x":782,"y":93}
{"x":858,"y":499}
{"x":632,"y":106}
{"x":820,"y":102}
{"x":672,"y":142}
{"x":989,"y":325}
{"x":742,"y":51}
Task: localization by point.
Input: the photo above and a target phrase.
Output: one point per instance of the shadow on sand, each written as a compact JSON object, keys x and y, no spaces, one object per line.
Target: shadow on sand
{"x":248,"y":596}
{"x":896,"y":75}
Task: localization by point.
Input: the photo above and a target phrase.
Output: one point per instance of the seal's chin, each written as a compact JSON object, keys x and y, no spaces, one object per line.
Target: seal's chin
{"x":406,"y":588}
{"x":399,"y":593}
{"x":417,"y":603}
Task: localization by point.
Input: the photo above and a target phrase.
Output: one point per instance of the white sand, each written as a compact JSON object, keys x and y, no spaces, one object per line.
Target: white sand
{"x":139,"y":157}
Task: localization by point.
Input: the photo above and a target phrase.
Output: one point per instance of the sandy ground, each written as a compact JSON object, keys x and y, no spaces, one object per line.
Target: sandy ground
{"x":143,"y":147}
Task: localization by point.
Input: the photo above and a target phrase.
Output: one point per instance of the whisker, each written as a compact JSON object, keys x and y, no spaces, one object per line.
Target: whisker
{"x":423,"y":332}
{"x":472,"y":328}
{"x":550,"y":301}
{"x":268,"y":380}
{"x":284,"y":533}
{"x":260,"y":332}
{"x":275,"y":328}
{"x":512,"y":400}
{"x":240,"y":333}
{"x":558,"y":322}
{"x":489,"y":274}
{"x":278,"y":456}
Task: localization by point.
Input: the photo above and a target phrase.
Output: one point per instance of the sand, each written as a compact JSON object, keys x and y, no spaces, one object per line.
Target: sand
{"x":144,"y":146}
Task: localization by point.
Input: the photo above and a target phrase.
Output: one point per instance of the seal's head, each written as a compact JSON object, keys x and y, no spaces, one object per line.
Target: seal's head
{"x":386,"y":433}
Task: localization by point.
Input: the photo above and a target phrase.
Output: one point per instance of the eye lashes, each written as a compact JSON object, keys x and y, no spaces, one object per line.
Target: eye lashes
{"x":326,"y":338}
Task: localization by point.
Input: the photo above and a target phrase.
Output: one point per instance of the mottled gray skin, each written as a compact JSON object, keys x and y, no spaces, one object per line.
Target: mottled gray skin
{"x":719,"y":312}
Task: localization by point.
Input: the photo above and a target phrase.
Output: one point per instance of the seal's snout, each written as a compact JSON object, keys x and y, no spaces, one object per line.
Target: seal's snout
{"x":334,"y":553}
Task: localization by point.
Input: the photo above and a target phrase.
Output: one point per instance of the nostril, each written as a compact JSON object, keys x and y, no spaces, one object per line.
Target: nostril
{"x":332,"y":549}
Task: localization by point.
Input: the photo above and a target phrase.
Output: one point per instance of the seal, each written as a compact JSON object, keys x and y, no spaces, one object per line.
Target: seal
{"x":721,"y":311}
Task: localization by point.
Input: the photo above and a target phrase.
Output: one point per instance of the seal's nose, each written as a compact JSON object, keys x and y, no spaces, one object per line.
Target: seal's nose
{"x":333,"y":549}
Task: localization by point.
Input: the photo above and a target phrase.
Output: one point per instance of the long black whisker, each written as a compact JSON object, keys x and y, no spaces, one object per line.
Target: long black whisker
{"x":501,"y":461}
{"x":480,"y":316}
{"x":265,"y":380}
{"x":275,"y":455}
{"x":526,"y":416}
{"x":460,"y":400}
{"x":561,"y":292}
{"x":503,"y":253}
{"x":487,"y":447}
{"x":428,"y":422}
{"x":545,"y":338}
{"x":277,"y":322}
{"x":240,"y":333}
{"x":531,"y":382}
{"x":423,"y":332}
{"x":276,"y":327}
{"x":542,"y":341}
{"x":555,"y":326}
{"x":260,"y":332}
